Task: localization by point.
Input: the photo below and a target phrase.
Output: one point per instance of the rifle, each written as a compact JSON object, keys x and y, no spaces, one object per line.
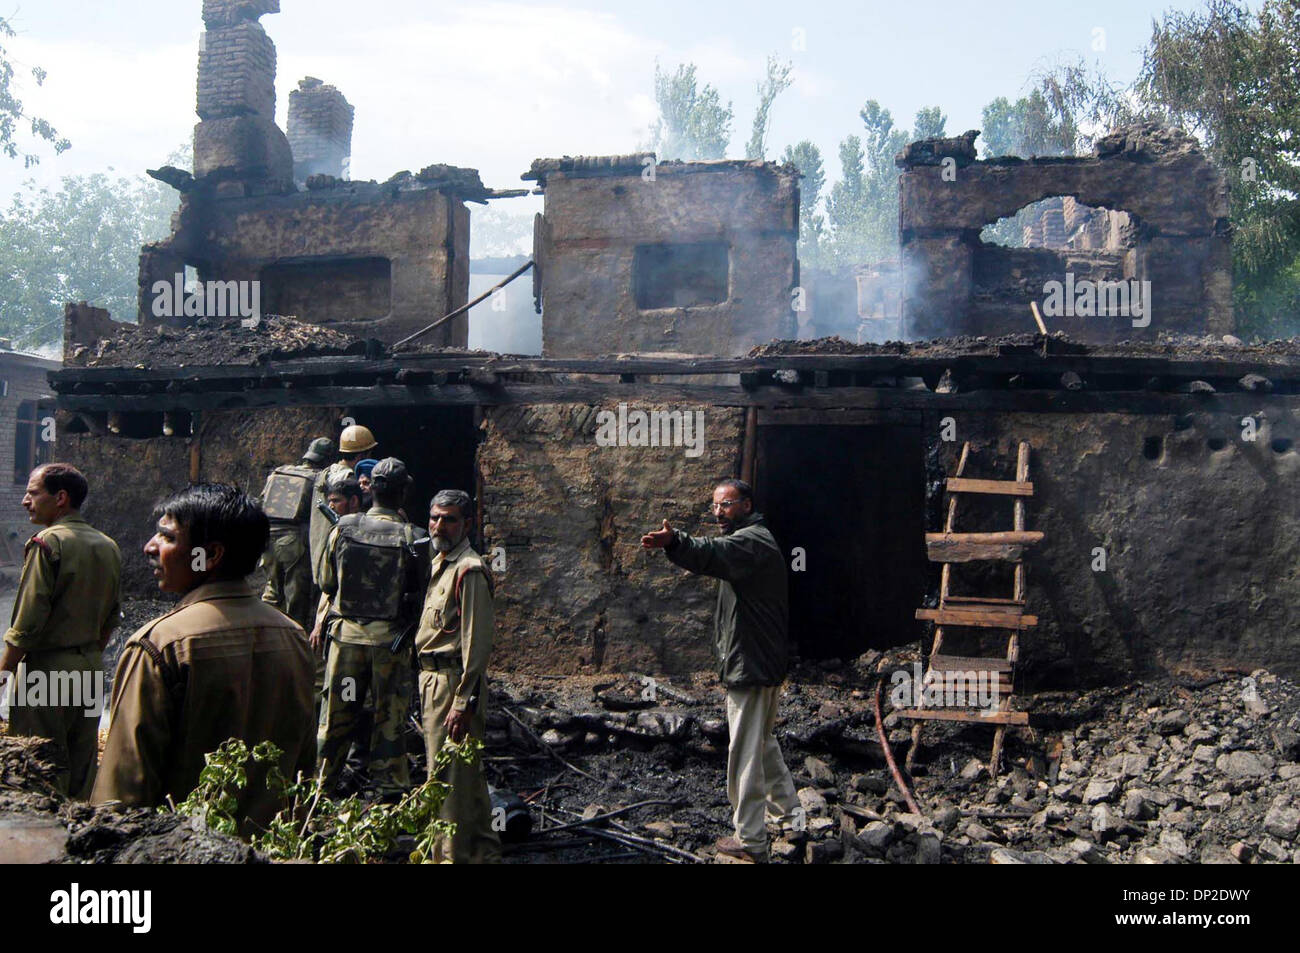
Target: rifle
{"x":413,"y":550}
{"x":329,"y":513}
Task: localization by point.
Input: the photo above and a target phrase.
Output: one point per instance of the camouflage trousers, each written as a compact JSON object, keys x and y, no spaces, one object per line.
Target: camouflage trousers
{"x":468,"y":805}
{"x":75,"y":733}
{"x":289,"y":583}
{"x":350,"y":671}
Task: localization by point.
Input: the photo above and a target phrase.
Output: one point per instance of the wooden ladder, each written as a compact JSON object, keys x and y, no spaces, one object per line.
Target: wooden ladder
{"x":951,"y":547}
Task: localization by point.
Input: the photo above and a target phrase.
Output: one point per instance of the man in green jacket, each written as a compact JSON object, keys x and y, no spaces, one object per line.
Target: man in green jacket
{"x":751,"y":641}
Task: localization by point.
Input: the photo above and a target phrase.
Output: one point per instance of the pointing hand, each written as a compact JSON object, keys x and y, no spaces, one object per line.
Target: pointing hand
{"x":659,"y":539}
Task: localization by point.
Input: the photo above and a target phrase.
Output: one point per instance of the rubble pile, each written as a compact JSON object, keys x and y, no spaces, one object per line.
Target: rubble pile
{"x":212,"y":341}
{"x":1165,"y":344}
{"x":1158,"y":772}
{"x":631,"y":768}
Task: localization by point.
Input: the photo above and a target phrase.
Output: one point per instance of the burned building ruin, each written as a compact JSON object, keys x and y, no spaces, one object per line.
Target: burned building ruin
{"x":371,"y":259}
{"x":661,"y":286}
{"x":1157,"y":212}
{"x":684,"y":257}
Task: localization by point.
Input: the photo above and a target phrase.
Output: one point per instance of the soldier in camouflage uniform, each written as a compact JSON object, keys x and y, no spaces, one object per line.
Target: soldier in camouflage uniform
{"x":453,"y":644}
{"x":353,"y":444}
{"x":372,"y":571}
{"x":287,"y":562}
{"x":68,"y":604}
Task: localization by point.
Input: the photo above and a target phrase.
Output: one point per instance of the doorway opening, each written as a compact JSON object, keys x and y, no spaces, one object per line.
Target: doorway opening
{"x":437,"y":444}
{"x":853,"y":498}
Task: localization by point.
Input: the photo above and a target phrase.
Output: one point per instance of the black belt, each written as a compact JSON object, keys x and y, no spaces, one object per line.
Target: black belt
{"x":441,"y":662}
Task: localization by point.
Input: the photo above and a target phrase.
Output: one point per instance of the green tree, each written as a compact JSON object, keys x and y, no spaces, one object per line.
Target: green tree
{"x":693,"y":123}
{"x":807,"y":158}
{"x":1232,"y":76}
{"x":846,"y":205}
{"x":12,"y":112}
{"x":778,"y":80}
{"x":1068,"y":108}
{"x":929,"y":123}
{"x":862,"y":208}
{"x":80,"y":242}
{"x":1028,"y":127}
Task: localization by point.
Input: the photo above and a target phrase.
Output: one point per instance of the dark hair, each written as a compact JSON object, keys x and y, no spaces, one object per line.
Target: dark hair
{"x":740,"y":486}
{"x":217,"y":513}
{"x":387,"y":495}
{"x":344,"y":487}
{"x":64,"y":476}
{"x":453,"y":498}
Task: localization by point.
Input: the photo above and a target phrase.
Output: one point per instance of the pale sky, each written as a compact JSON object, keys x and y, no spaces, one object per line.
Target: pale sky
{"x":494,"y":85}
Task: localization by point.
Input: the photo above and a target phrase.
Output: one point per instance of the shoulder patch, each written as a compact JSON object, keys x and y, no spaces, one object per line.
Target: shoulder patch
{"x":466,"y":566}
{"x":41,"y":544}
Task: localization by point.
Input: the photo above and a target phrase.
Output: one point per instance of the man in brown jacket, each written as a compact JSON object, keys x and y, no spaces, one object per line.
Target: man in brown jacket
{"x":222,"y":664}
{"x":67,"y":606}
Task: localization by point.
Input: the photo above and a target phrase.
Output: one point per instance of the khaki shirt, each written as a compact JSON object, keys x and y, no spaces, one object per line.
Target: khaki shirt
{"x":334,"y":624}
{"x":70,"y":591}
{"x":320,"y":523}
{"x":466,"y":628}
{"x":222,"y":664}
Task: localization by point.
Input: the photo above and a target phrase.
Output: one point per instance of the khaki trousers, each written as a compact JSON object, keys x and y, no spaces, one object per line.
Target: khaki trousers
{"x":75,"y":733}
{"x":468,"y":805}
{"x":758,"y":782}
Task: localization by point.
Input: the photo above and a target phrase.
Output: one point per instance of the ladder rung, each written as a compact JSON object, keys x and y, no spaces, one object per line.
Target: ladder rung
{"x":988,"y":617}
{"x":968,"y":682}
{"x":956,"y":602}
{"x":998,"y":487}
{"x":957,"y":714}
{"x":969,"y":547}
{"x":962,"y":663}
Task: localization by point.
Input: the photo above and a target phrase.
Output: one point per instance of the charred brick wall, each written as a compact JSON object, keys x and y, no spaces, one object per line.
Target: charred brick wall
{"x":1200,"y":543}
{"x":362,"y":259}
{"x":26,"y":382}
{"x":237,"y":143}
{"x":578,"y":589}
{"x":130,"y":476}
{"x":1177,"y":203}
{"x":320,"y":130}
{"x":697,"y":258}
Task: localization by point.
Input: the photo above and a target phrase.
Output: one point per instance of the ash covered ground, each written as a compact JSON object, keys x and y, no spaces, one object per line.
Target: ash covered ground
{"x":1154,"y":772}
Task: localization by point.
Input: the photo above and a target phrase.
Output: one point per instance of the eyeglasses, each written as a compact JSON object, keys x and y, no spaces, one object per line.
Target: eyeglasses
{"x":724,"y":505}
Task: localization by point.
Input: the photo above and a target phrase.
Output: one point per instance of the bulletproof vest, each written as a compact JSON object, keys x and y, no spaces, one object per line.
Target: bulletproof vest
{"x":288,"y":494}
{"x":374,"y":561}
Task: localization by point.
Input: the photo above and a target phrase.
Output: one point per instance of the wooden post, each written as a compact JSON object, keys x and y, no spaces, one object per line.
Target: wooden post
{"x":478,"y":485}
{"x":196,"y":441}
{"x":748,"y":449}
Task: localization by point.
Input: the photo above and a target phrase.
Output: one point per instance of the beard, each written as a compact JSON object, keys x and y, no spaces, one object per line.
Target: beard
{"x":442,"y":544}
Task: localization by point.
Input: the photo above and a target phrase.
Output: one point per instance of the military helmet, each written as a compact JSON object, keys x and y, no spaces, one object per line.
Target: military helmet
{"x":357,"y":439}
{"x":320,"y":450}
{"x":389,"y":473}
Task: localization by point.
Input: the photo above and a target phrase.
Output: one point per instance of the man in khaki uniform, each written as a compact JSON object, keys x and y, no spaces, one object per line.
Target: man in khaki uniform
{"x":287,"y":500}
{"x":453,"y":644}
{"x":223,"y":664}
{"x":372,"y":572}
{"x":354,"y":442}
{"x":68,"y":604}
